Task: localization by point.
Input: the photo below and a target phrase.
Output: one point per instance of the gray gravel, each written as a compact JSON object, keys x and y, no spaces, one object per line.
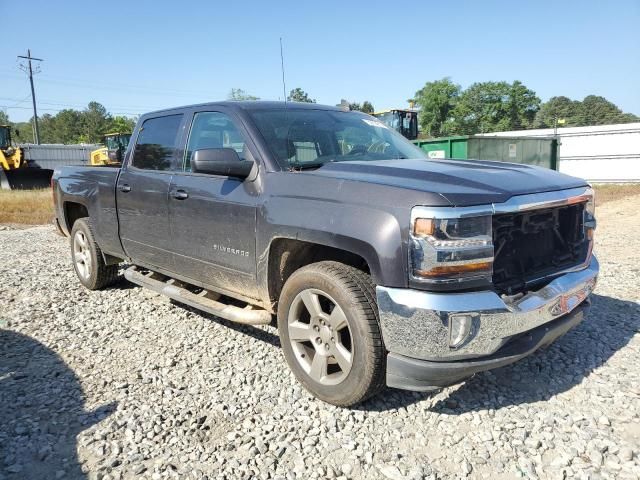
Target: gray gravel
{"x":124,"y":384}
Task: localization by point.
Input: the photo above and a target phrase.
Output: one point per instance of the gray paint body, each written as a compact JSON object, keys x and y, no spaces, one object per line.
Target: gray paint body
{"x":357,"y":206}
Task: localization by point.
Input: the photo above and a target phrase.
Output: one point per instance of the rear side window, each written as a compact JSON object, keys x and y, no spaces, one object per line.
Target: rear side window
{"x":156,"y":143}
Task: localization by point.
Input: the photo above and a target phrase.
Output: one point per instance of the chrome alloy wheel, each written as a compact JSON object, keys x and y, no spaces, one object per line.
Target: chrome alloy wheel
{"x":320,"y":337}
{"x":82,"y":254}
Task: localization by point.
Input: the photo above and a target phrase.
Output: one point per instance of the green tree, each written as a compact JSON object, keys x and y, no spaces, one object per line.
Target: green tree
{"x":95,"y":121}
{"x":436,"y":101}
{"x":239,"y":94}
{"x":299,"y":95}
{"x":558,"y":108}
{"x":593,"y":110}
{"x":4,"y":118}
{"x":366,"y":107}
{"x":628,"y":118}
{"x":47,"y":127}
{"x":596,"y":110}
{"x":22,"y":132}
{"x":523,"y":105}
{"x":495,"y":107}
{"x":121,"y":124}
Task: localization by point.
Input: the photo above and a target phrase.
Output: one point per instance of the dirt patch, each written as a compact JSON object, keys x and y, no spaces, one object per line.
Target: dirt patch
{"x":608,"y":192}
{"x":26,"y":207}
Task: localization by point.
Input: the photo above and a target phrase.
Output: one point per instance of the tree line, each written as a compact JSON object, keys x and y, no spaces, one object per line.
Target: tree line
{"x":445,"y":109}
{"x":71,"y":126}
{"x":299,"y":95}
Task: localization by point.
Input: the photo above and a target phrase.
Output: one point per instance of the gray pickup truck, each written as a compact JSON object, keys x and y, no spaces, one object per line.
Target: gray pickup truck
{"x":382,"y":267}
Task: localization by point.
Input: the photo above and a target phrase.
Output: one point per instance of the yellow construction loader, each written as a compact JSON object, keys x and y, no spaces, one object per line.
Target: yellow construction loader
{"x":115,"y":144}
{"x":403,"y":121}
{"x":11,"y":156}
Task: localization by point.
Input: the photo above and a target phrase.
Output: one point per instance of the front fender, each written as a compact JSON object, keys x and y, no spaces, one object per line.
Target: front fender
{"x":372,"y":233}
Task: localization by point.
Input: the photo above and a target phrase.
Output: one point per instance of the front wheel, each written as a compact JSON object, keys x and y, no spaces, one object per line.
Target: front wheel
{"x":328,"y":324}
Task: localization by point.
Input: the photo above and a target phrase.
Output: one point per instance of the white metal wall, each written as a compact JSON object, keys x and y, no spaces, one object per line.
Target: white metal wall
{"x":604,"y":153}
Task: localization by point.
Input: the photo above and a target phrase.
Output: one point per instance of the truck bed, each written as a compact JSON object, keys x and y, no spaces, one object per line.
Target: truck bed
{"x":92,"y":188}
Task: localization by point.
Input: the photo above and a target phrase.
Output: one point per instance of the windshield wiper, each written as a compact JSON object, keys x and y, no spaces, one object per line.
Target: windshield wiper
{"x":294,"y":167}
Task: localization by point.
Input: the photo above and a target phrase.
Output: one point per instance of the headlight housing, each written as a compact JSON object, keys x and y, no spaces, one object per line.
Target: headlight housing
{"x":590,"y":211}
{"x":451,"y":250}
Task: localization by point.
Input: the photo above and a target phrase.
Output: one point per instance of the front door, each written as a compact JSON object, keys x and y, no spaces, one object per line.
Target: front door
{"x":213,"y":217}
{"x":142,"y":193}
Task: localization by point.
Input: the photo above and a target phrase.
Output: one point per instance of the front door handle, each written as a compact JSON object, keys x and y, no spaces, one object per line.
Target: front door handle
{"x":180,"y":195}
{"x":125,"y":188}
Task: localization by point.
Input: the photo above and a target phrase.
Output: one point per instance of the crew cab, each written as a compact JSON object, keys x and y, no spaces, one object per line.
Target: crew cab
{"x":379,"y":265}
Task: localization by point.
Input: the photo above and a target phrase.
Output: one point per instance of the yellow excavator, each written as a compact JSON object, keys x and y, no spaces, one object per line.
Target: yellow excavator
{"x":115,"y":144}
{"x":403,"y":121}
{"x":11,"y":156}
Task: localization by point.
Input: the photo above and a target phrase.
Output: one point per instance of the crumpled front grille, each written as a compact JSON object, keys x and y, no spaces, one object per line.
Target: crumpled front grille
{"x":530,"y":246}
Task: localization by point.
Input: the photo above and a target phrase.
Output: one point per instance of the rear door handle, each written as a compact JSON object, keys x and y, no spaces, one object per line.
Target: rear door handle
{"x":180,"y":195}
{"x":125,"y":188}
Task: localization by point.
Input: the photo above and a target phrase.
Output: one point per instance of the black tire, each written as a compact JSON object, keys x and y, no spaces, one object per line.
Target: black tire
{"x":354,"y":292}
{"x":99,"y":274}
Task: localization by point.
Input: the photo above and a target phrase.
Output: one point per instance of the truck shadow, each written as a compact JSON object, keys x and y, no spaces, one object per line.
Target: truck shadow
{"x":249,"y":330}
{"x":610,"y":325}
{"x":41,"y":411}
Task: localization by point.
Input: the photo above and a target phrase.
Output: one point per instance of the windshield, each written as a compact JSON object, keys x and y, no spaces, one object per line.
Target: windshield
{"x":308,"y":138}
{"x":114,"y":142}
{"x":4,"y":137}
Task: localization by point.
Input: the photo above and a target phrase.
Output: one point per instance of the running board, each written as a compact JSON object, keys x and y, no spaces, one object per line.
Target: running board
{"x":204,"y":300}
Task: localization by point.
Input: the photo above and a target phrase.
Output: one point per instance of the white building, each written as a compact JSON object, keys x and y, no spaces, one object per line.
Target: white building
{"x":604,"y":153}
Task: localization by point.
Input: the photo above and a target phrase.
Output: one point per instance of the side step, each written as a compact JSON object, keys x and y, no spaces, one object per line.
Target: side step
{"x":204,"y":300}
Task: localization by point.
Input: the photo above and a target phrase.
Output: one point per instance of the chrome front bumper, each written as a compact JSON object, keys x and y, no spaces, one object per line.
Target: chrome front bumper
{"x":416,"y":323}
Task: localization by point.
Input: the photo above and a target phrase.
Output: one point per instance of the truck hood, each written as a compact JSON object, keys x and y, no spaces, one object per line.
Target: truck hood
{"x":460,"y":182}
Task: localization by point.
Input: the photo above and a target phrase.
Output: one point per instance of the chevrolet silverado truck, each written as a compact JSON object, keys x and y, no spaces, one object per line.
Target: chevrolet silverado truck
{"x":380,"y":266}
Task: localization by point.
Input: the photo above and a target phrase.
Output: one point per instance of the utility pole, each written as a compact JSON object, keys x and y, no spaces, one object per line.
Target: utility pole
{"x":27,"y":68}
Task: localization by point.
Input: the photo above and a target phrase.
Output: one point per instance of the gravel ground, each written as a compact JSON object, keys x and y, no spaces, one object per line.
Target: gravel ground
{"x":124,"y":384}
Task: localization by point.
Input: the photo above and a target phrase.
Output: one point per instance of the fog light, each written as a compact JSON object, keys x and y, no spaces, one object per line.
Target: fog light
{"x":459,"y":329}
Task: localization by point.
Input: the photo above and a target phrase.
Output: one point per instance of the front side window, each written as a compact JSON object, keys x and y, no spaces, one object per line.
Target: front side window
{"x":4,"y":137}
{"x":307,"y":138}
{"x":213,"y":130}
{"x":156,"y":143}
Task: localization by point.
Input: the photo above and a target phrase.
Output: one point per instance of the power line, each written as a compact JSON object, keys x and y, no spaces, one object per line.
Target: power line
{"x":17,"y":101}
{"x":61,"y":109}
{"x":29,"y":58}
{"x":135,"y":109}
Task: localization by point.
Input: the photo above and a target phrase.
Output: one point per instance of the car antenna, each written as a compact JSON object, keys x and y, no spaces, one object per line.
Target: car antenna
{"x":284,"y":85}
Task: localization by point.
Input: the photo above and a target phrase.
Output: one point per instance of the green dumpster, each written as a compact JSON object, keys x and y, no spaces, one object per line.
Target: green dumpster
{"x":541,"y":151}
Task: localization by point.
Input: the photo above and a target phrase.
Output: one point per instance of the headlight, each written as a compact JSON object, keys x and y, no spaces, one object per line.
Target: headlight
{"x":451,"y":249}
{"x":590,"y":212}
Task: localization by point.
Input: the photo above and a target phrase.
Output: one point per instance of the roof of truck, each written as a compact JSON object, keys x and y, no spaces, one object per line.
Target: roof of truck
{"x":254,"y":105}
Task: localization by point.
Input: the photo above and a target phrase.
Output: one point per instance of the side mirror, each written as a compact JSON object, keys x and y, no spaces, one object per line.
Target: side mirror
{"x":17,"y":132}
{"x":220,"y":161}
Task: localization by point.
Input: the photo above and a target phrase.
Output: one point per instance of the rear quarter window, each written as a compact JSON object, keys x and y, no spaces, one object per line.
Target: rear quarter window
{"x":156,"y":143}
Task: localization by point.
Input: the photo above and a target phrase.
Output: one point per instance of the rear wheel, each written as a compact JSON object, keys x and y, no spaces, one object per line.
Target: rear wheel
{"x":328,"y":324}
{"x":88,"y":262}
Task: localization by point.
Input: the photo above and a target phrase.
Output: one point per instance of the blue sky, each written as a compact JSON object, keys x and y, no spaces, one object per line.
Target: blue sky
{"x":138,"y":56}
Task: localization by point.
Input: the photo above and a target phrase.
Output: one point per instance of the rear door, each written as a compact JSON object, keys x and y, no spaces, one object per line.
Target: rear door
{"x":143,"y":189}
{"x":213,"y":217}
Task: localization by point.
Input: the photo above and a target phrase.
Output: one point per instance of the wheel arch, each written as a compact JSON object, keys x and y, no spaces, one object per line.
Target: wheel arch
{"x":72,"y":212}
{"x":286,"y":255}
